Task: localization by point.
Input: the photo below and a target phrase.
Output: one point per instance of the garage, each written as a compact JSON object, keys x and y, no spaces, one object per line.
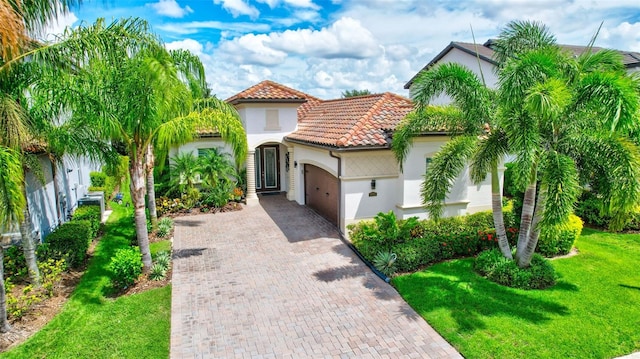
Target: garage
{"x":321,"y":192}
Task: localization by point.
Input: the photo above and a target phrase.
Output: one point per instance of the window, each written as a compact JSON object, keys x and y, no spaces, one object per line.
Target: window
{"x":272,"y":122}
{"x":427,"y":163}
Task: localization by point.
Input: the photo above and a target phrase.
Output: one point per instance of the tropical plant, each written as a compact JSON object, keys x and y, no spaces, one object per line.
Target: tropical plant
{"x":561,"y":116}
{"x":386,"y":263}
{"x":185,"y":173}
{"x":216,"y":168}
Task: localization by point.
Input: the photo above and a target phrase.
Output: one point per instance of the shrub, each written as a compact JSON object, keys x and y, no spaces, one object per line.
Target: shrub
{"x":494,"y":266}
{"x":70,"y":241}
{"x":19,"y":305}
{"x":15,"y":266}
{"x":385,"y":262}
{"x":125,"y":267}
{"x":89,"y":213}
{"x":416,"y":253}
{"x":98,"y":179}
{"x":559,"y":239}
{"x":589,"y":208}
{"x":164,"y":227}
{"x":163,"y":258}
{"x":51,"y":274}
{"x":157,"y":272}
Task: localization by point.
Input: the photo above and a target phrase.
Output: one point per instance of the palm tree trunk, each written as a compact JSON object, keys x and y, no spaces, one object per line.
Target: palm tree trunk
{"x":4,"y":323}
{"x":528,"y":206}
{"x":524,"y":259}
{"x":137,"y":188}
{"x":28,"y":247}
{"x":151,"y":191}
{"x":56,"y":188}
{"x":498,"y":217}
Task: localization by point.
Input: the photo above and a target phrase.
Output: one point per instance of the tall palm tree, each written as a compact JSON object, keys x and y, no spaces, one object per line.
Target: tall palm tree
{"x":558,"y":110}
{"x":471,"y":123}
{"x":138,"y":99}
{"x":552,"y":111}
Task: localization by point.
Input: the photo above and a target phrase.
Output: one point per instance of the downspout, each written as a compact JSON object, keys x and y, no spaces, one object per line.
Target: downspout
{"x":344,"y":240}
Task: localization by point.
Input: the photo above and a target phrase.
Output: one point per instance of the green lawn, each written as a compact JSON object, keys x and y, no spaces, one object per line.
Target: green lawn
{"x":593,"y":311}
{"x":93,"y":325}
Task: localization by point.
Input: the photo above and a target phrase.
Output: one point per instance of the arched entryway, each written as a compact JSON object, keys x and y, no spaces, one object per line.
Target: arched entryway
{"x":267,"y":165}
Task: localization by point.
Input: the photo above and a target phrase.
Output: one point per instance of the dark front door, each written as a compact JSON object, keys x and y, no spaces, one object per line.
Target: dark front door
{"x":321,"y":192}
{"x":267,"y":163}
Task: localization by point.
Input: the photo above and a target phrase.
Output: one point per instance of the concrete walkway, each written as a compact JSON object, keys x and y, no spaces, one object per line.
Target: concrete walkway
{"x":275,"y":281}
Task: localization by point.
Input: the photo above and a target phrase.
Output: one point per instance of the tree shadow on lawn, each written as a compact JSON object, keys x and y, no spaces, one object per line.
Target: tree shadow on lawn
{"x":470,"y":298}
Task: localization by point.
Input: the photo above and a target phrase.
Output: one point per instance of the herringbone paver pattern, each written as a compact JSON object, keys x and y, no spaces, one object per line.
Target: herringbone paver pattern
{"x":275,"y":281}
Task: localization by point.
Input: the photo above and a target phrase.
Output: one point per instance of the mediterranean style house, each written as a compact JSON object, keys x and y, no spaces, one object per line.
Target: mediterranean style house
{"x":334,"y":155}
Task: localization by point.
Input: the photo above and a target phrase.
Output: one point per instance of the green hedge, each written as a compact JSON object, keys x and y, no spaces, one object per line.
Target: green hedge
{"x":420,"y":243}
{"x":89,"y":213}
{"x":98,"y":179}
{"x":558,"y":240}
{"x":70,"y":241}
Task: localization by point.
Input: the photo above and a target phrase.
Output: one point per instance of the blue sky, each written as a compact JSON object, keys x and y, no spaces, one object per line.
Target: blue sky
{"x":324,"y":47}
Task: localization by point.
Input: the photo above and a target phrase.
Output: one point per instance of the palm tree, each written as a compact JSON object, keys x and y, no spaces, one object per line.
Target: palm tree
{"x":558,"y":112}
{"x":471,"y":124}
{"x":185,"y":173}
{"x":216,"y":167}
{"x":137,"y":98}
{"x":552,"y":111}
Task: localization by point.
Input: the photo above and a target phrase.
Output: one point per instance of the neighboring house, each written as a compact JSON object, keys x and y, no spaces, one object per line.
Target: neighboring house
{"x":72,"y":177}
{"x":476,"y":57}
{"x":334,"y":156}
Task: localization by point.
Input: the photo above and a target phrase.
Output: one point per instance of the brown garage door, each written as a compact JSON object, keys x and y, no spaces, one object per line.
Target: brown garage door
{"x":321,"y":192}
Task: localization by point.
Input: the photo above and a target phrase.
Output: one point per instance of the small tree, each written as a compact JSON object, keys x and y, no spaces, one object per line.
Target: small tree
{"x":354,"y":93}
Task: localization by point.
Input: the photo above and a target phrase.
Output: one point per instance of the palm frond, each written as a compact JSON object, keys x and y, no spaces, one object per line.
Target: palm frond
{"x":490,"y":150}
{"x":444,"y":168}
{"x":559,"y":181}
{"x":613,"y":98}
{"x":519,"y":37}
{"x":191,"y":68}
{"x":12,"y":200}
{"x":428,"y":119}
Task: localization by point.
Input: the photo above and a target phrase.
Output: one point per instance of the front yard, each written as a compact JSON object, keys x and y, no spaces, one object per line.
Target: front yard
{"x":93,"y":324}
{"x":593,"y":311}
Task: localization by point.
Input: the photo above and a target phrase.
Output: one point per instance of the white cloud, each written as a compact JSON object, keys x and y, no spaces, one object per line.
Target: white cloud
{"x":187,"y":44}
{"x":193,"y":27}
{"x":323,"y":79}
{"x":55,"y":28}
{"x":238,"y":8}
{"x":295,"y":3}
{"x":170,"y":8}
{"x":625,"y":35}
{"x":252,"y":49}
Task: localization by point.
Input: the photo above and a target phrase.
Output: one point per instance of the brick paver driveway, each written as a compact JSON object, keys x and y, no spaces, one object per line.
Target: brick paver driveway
{"x":276,"y":281}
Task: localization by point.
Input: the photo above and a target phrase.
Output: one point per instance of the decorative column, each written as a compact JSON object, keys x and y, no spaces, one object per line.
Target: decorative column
{"x":291,"y":195}
{"x":252,"y":197}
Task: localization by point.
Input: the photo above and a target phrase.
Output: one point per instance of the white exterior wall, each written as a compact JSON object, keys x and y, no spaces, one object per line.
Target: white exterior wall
{"x":254,"y":119}
{"x":471,"y":62}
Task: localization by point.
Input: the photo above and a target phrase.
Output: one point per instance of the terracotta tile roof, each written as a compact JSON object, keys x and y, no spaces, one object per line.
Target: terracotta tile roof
{"x":363,"y":121}
{"x":270,"y":91}
{"x":485,"y":52}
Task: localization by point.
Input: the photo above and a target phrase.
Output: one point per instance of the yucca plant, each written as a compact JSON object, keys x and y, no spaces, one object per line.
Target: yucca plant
{"x":386,"y":263}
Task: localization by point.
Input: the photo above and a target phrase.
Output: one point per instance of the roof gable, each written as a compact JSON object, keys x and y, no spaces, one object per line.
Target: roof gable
{"x":362,"y":121}
{"x":269,"y":91}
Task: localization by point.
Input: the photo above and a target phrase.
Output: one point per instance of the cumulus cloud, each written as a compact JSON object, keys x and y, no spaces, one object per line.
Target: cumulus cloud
{"x":295,"y":3}
{"x":185,"y":28}
{"x":238,"y":8}
{"x":346,"y":38}
{"x":187,"y":44}
{"x":252,"y":49}
{"x":170,"y":8}
{"x":53,"y":29}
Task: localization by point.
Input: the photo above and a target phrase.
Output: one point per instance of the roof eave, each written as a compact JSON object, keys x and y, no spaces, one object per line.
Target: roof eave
{"x":442,"y":53}
{"x":262,"y":100}
{"x":336,"y":148}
